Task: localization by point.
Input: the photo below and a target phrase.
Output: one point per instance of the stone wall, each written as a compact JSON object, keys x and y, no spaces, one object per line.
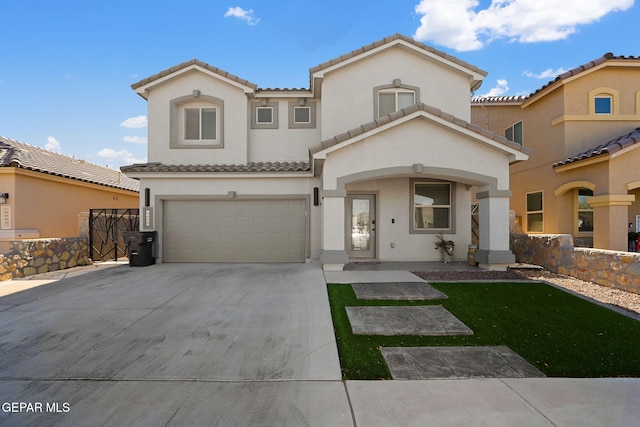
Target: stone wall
{"x":556,"y":253}
{"x":28,"y":257}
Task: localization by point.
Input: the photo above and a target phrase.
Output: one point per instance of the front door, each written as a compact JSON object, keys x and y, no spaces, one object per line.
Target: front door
{"x":361,"y":225}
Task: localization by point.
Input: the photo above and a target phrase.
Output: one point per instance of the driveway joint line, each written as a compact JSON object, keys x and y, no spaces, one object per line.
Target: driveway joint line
{"x":527,"y":402}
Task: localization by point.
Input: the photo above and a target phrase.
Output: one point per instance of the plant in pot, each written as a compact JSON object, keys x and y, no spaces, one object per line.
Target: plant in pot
{"x":445,"y":247}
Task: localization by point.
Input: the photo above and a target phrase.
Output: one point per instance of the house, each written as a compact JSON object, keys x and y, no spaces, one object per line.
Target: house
{"x":42,"y":192}
{"x":583,"y":177}
{"x":371,"y":162}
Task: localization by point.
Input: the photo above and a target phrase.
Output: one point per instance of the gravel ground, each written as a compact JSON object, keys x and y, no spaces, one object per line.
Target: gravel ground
{"x":616,"y":297}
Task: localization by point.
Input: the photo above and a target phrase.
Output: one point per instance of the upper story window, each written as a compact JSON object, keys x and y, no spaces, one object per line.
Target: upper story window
{"x":514,"y":133}
{"x":602,"y":104}
{"x":604,"y":101}
{"x":201,"y":124}
{"x":196,"y":121}
{"x":394,"y":97}
{"x":391,"y":100}
{"x":302,"y":114}
{"x":264,"y":115}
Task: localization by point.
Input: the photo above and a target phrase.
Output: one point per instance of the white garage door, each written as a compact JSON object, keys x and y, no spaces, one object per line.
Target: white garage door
{"x":234,"y":231}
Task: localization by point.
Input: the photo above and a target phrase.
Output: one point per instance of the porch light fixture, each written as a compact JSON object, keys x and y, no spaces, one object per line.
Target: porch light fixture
{"x":3,"y":198}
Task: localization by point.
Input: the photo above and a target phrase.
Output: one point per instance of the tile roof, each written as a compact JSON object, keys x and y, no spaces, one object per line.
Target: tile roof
{"x":251,"y":167}
{"x":18,"y":154}
{"x":573,"y":72}
{"x":609,"y":147}
{"x":186,"y":64}
{"x":312,"y":70}
{"x":390,"y":39}
{"x":408,"y":111}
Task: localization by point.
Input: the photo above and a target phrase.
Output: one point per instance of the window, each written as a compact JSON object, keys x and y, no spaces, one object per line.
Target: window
{"x":196,"y":121}
{"x":200,"y":124}
{"x":431,"y":206}
{"x":585,"y":211}
{"x":390,"y":100}
{"x":302,"y":114}
{"x":535,"y":214}
{"x":393,"y":97}
{"x":602,"y":104}
{"x":264,"y":115}
{"x":514,"y":133}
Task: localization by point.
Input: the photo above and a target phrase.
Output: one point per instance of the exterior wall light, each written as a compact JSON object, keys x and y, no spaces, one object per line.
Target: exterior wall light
{"x":3,"y":198}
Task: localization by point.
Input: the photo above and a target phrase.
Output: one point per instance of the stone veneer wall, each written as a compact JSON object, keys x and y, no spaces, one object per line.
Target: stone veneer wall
{"x":556,"y":253}
{"x":28,"y":257}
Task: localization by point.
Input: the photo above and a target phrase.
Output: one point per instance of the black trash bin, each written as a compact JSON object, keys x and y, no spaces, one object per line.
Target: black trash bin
{"x":140,"y":245}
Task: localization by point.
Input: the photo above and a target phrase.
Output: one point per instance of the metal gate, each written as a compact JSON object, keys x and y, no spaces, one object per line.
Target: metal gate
{"x":106,"y":227}
{"x":475,"y":224}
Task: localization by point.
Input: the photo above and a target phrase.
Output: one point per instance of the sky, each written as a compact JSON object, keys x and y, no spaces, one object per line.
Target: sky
{"x":67,"y":66}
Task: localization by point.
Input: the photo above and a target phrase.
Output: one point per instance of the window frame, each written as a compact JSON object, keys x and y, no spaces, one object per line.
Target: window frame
{"x":610,"y":105}
{"x":451,"y":207}
{"x":512,"y":129}
{"x":200,"y":124}
{"x":585,"y":233}
{"x":396,"y":88}
{"x":311,"y":105}
{"x":255,"y":106}
{"x":535,"y":211}
{"x":177,"y":121}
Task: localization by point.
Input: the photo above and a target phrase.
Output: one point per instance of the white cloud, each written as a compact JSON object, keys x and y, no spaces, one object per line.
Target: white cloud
{"x":240,"y":13}
{"x":546,"y":74}
{"x":502,"y":87}
{"x":135,"y":122}
{"x":118,"y":158}
{"x":456,"y":23}
{"x":53,"y":145}
{"x":135,"y":139}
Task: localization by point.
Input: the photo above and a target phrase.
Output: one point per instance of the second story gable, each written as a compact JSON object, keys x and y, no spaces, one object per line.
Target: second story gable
{"x":200,"y":114}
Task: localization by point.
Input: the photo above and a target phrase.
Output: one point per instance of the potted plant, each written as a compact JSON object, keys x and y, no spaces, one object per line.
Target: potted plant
{"x":446,"y":248}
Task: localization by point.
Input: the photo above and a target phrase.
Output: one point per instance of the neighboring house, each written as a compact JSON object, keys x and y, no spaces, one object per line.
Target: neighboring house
{"x":583,"y":177}
{"x":42,"y":192}
{"x":372,"y":162}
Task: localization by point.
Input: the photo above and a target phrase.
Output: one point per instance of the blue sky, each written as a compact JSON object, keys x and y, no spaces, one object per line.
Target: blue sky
{"x":66,"y":67}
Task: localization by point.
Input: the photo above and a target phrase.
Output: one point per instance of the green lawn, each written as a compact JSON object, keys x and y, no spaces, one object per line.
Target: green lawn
{"x":560,"y":334}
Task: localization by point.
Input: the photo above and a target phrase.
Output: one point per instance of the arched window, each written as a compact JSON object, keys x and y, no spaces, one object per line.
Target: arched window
{"x":197,"y":121}
{"x":394,"y":97}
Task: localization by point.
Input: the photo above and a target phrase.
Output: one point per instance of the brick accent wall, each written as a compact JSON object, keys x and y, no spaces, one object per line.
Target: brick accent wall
{"x":556,"y":253}
{"x":28,"y":257}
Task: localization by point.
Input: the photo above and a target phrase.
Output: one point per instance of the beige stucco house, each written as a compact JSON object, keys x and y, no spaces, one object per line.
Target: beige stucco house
{"x":583,"y":177}
{"x":42,"y":193}
{"x":371,"y":162}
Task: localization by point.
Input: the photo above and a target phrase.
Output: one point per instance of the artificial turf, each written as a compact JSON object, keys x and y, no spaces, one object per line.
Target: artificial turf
{"x":560,"y":334}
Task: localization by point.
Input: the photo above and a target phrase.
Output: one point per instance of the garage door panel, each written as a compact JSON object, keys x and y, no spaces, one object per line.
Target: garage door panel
{"x":234,"y":231}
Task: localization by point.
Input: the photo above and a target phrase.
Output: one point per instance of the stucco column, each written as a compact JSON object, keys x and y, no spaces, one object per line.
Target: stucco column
{"x":334,"y":255}
{"x":494,"y":253}
{"x":610,"y":217}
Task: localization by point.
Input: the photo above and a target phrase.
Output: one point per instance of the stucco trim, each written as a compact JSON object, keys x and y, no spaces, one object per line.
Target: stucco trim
{"x":493,"y":193}
{"x":573,"y":184}
{"x":446,"y":174}
{"x":633,"y":185}
{"x":611,"y":200}
{"x":176,"y":140}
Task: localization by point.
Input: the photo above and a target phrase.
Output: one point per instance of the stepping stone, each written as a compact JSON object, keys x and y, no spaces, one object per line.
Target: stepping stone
{"x":429,"y":320}
{"x":396,"y":291}
{"x":421,"y":363}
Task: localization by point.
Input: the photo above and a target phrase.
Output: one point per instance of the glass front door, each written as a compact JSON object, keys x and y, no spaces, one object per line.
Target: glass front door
{"x":361,"y":223}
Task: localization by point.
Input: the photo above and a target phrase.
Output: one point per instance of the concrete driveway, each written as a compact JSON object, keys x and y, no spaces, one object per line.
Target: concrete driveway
{"x":173,"y":344}
{"x":246,"y":345}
